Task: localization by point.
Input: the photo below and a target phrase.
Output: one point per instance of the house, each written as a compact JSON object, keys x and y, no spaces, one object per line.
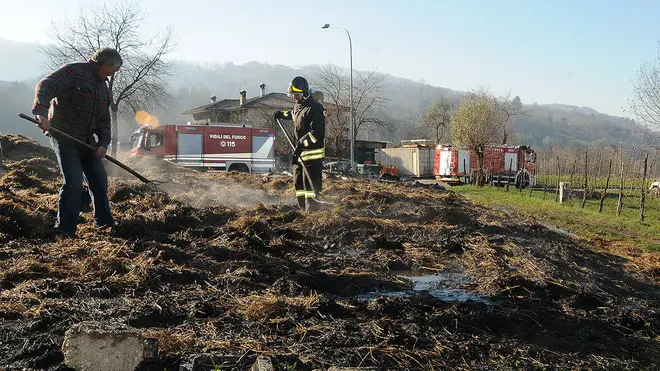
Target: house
{"x":254,"y":111}
{"x":258,"y":112}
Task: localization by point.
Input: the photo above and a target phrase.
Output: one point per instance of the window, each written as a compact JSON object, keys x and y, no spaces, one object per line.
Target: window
{"x":137,"y":140}
{"x":155,"y":140}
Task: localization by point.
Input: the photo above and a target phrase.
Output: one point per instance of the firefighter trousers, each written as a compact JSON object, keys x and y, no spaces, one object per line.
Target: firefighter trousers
{"x":307,"y":193}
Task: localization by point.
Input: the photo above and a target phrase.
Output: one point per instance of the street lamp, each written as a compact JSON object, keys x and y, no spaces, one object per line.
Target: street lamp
{"x":352,"y":124}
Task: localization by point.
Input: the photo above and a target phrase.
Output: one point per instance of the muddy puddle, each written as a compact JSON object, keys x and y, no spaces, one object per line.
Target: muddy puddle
{"x":444,"y":286}
{"x":558,"y":230}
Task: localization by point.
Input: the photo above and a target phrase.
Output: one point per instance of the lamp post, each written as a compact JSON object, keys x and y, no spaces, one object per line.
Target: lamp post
{"x":352,"y":124}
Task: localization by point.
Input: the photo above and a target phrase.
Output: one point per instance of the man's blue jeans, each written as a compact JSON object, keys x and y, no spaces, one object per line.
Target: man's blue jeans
{"x":75,"y":162}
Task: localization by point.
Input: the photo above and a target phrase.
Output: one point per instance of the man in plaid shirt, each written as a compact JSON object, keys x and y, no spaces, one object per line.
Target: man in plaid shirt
{"x":75,"y":99}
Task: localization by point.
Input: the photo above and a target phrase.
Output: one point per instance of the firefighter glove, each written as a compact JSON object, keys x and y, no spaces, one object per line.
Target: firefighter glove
{"x":298,"y":151}
{"x":278,"y":115}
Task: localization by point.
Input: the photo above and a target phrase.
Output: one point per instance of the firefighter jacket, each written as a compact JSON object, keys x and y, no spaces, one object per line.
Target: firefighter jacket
{"x":309,"y":126}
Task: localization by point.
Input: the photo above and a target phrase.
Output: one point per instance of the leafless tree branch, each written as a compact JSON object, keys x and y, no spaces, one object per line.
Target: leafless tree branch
{"x":142,"y":81}
{"x":436,"y":118}
{"x":645,"y":100}
{"x":367,"y":96}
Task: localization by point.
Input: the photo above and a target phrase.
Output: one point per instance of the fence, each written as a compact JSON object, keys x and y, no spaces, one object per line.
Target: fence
{"x":601,"y":175}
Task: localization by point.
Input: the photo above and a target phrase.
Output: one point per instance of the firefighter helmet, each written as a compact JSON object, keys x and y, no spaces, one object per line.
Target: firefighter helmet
{"x":298,"y":85}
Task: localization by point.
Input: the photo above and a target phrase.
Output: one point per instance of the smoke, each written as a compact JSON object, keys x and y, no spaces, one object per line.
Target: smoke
{"x":227,"y":193}
{"x":200,"y":189}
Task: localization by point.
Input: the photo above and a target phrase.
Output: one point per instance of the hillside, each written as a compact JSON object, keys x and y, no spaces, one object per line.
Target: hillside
{"x":20,"y":61}
{"x":193,"y":83}
{"x":568,"y":126}
{"x":16,"y":97}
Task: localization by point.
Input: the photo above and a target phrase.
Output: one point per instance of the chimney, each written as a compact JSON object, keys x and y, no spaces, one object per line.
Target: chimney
{"x":213,"y":99}
{"x":241,"y":100}
{"x":262,"y":87}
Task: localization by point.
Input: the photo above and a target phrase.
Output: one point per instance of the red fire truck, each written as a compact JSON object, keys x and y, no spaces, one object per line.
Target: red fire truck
{"x":513,"y":164}
{"x":219,"y":147}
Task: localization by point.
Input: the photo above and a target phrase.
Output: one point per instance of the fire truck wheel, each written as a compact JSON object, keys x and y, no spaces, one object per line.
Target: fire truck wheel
{"x":522,"y":180}
{"x":241,"y":168}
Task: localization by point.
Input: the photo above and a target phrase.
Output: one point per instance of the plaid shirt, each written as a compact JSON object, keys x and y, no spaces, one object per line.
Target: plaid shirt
{"x":80,"y":102}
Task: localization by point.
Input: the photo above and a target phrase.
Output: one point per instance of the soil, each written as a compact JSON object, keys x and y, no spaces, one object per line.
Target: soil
{"x":392,"y":275}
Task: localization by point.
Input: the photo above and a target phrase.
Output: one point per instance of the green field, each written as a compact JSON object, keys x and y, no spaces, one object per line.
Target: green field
{"x":587,"y":223}
{"x":598,"y":182}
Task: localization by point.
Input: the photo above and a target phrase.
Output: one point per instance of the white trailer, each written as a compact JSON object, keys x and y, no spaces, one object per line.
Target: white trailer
{"x":410,"y":161}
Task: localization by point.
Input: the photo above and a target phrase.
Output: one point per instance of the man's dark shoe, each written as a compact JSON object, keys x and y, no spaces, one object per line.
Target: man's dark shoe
{"x":104,"y":227}
{"x":59,"y":234}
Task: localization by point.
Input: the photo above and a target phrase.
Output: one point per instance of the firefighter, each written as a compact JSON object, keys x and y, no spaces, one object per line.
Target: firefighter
{"x":308,"y":118}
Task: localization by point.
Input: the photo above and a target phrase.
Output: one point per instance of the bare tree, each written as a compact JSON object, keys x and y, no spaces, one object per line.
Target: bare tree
{"x":511,"y":108}
{"x":437,"y":117}
{"x":335,"y":87}
{"x":476,"y":123}
{"x":141,"y":82}
{"x":367,"y":97}
{"x":645,"y":100}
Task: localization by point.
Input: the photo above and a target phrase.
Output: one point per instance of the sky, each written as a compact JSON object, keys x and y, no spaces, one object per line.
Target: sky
{"x":579,"y":52}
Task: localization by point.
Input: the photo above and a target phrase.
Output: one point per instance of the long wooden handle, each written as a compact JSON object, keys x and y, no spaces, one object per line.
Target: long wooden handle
{"x":286,"y":135}
{"x":86,"y":145}
{"x":302,"y":163}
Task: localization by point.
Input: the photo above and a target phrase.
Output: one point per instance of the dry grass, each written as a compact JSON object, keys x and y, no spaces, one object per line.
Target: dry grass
{"x":266,"y":278}
{"x":317,"y":328}
{"x":176,"y":340}
{"x":421,"y":255}
{"x":645,"y":263}
{"x":82,"y":261}
{"x":48,"y":307}
{"x":270,"y":306}
{"x":402,"y":357}
{"x":484,"y":265}
{"x":12,"y":309}
{"x":136,"y":270}
{"x":524,"y":263}
{"x":214,"y":338}
{"x":28,"y":299}
{"x":33,"y":269}
{"x":325,"y":219}
{"x":380,"y":223}
{"x":251,"y":224}
{"x":237,"y":276}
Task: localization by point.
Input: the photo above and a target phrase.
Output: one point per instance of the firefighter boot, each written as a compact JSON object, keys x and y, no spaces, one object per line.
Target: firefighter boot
{"x":301,"y":203}
{"x":311,"y":205}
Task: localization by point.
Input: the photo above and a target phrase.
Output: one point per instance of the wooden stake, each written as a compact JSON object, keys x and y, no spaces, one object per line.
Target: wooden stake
{"x":641,"y":206}
{"x":620,"y":204}
{"x":607,"y":184}
{"x":586,"y":184}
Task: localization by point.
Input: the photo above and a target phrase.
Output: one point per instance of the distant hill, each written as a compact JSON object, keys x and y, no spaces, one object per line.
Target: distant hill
{"x":571,"y":109}
{"x":192,"y":84}
{"x":16,"y":97}
{"x":20,"y":61}
{"x":568,"y":126}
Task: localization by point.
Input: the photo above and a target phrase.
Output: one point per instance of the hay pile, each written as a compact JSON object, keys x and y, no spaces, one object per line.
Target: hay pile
{"x":224,"y":264}
{"x":19,"y":147}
